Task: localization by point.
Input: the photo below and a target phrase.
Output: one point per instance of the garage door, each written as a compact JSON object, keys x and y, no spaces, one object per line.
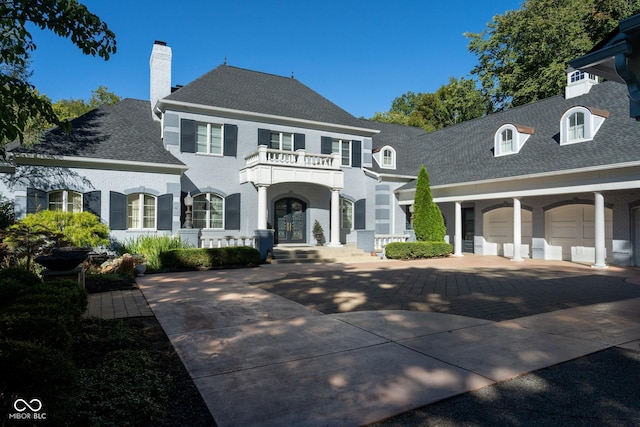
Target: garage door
{"x":570,"y":232}
{"x":498,"y":231}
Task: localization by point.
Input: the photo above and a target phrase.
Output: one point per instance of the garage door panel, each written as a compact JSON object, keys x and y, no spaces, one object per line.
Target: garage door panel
{"x":573,"y":226}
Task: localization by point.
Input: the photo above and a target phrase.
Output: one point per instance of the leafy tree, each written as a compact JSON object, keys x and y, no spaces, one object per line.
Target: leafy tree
{"x":457,"y":101}
{"x":66,"y":18}
{"x":523,"y":55}
{"x":428,"y":223}
{"x":67,"y":109}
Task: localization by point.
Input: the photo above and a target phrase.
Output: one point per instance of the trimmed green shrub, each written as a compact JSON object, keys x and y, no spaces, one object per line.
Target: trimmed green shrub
{"x":151,"y":246}
{"x":205,"y":258}
{"x":428,"y":223}
{"x":34,"y":327}
{"x":20,"y":275}
{"x":416,"y":250}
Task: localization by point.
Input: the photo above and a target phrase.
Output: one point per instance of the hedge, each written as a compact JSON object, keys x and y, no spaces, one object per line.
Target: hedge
{"x":417,"y":250}
{"x":206,"y":258}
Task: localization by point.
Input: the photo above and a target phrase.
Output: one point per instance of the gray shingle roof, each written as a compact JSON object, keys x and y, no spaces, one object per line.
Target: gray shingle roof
{"x":464,"y":153}
{"x":123,"y":131}
{"x":246,"y":90}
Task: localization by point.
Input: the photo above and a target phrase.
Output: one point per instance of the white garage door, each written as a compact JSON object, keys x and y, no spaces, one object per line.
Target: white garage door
{"x":570,"y":232}
{"x":498,"y":231}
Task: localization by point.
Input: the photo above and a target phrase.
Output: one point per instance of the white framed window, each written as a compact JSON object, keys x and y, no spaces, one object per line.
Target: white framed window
{"x":346,"y":213}
{"x":65,"y":200}
{"x":506,"y":141}
{"x":208,"y":211}
{"x":141,"y":211}
{"x":576,"y":126}
{"x":510,"y":138}
{"x":579,"y":124}
{"x":281,"y":141}
{"x":209,"y":138}
{"x":342,"y":147}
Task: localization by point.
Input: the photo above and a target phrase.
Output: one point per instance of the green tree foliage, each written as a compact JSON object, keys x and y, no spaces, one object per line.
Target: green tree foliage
{"x":36,"y":234}
{"x":66,"y":18}
{"x":67,"y":109}
{"x":523,"y":54}
{"x":455,"y":102}
{"x":428,"y":223}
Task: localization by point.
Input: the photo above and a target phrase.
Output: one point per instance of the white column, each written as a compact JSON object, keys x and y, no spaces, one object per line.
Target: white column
{"x":601,"y":250}
{"x":262,"y":207}
{"x":335,"y":218}
{"x":457,"y":234}
{"x":517,"y":230}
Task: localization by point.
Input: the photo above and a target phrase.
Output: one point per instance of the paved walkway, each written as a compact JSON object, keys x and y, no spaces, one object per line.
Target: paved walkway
{"x":118,"y":305}
{"x":354,"y":344}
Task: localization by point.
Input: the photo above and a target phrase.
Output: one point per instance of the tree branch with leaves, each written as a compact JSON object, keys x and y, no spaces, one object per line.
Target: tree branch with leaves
{"x":67,"y":18}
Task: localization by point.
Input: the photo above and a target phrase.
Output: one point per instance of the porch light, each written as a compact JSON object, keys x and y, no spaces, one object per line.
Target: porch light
{"x":188,"y":202}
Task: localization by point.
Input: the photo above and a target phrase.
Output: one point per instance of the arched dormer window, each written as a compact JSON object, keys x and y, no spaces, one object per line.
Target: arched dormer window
{"x":509,"y":139}
{"x":386,"y":157}
{"x":579,"y":124}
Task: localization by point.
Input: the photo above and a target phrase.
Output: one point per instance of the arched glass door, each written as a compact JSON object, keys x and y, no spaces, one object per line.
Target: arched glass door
{"x":290,"y":220}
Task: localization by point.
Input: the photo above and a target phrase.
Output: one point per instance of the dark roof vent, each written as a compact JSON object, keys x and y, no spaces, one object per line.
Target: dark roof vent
{"x":175,"y":88}
{"x":160,"y":42}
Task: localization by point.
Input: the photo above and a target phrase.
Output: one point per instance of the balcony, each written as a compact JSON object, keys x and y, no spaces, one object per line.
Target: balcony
{"x":267,"y":166}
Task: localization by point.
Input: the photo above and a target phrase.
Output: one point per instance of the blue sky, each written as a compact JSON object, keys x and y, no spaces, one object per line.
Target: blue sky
{"x":359,"y":54}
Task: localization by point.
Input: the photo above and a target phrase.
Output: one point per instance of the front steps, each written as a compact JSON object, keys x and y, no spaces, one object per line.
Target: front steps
{"x":300,"y":254}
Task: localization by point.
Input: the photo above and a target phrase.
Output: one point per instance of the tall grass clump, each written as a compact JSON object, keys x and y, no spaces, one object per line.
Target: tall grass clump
{"x":150,"y":246}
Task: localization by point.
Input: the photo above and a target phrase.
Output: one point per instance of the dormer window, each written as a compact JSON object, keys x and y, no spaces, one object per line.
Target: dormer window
{"x":509,"y":139}
{"x":579,"y":124}
{"x":386,"y":157}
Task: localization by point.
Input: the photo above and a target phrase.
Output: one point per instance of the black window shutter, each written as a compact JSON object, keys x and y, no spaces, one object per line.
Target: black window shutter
{"x":117,"y":211}
{"x":91,"y":202}
{"x":264,"y":137}
{"x":356,"y":154}
{"x":325,"y":145}
{"x":298,"y":141}
{"x":187,"y":136}
{"x":360,"y":214}
{"x":183,"y":208}
{"x":36,"y":200}
{"x":232,"y":212}
{"x":230,"y":140}
{"x":165,"y":212}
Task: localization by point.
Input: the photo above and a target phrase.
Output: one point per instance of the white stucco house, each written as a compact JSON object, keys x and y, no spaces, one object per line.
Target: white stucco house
{"x":557,"y":179}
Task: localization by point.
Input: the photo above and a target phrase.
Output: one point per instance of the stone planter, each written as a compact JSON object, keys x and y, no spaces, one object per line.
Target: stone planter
{"x":63,"y":259}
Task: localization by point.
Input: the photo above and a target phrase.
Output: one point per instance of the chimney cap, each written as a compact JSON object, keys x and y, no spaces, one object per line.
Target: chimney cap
{"x":160,"y":42}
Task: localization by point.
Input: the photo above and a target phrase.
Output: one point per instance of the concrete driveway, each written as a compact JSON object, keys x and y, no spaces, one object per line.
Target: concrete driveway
{"x":351,"y":344}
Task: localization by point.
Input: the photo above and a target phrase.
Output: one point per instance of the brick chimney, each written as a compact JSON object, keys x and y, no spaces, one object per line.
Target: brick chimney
{"x":160,"y":75}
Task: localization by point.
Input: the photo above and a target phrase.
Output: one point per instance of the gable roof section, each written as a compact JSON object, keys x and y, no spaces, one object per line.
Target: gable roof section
{"x":464,"y":153}
{"x":121,"y":132}
{"x":245,"y":90}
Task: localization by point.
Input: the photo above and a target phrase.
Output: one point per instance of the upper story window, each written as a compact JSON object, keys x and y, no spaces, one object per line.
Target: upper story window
{"x":580,"y":124}
{"x":342,"y":147}
{"x":386,"y":157}
{"x":281,"y":141}
{"x":65,"y":200}
{"x":208,"y":211}
{"x":209,"y":138}
{"x":141,"y":211}
{"x":509,"y":139}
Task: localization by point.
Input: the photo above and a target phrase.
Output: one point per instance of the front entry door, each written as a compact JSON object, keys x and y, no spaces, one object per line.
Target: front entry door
{"x":290,"y":221}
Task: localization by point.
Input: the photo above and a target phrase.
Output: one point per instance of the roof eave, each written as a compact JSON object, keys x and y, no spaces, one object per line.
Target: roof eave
{"x":162,"y":105}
